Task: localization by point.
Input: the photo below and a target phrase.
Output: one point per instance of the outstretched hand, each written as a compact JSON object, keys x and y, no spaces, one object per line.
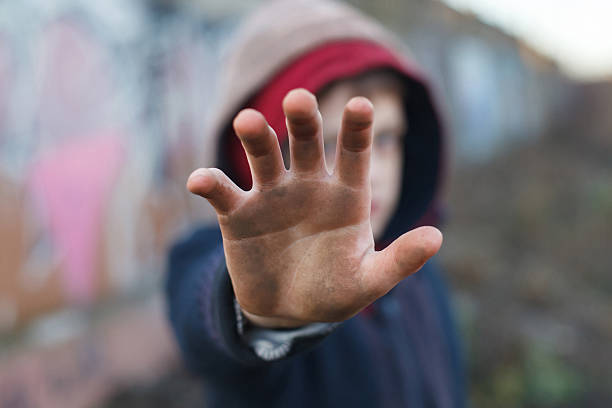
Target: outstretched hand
{"x":299,"y":245}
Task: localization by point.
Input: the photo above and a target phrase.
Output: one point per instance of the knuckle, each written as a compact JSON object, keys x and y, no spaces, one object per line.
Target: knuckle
{"x":303,"y":128}
{"x":356,"y":141}
{"x":257,"y":146}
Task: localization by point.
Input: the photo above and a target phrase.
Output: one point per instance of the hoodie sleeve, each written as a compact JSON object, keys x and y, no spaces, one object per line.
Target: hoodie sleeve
{"x":206,"y":322}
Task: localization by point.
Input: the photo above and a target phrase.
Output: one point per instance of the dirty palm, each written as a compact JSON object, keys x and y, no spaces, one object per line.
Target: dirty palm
{"x":299,"y":245}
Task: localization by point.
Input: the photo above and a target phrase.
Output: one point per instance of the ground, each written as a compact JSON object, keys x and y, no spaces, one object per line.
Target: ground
{"x":527,"y":250}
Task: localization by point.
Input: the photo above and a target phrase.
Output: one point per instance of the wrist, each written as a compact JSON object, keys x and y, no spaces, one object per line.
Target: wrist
{"x":272,"y":322}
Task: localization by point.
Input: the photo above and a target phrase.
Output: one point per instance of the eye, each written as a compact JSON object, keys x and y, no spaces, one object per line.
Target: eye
{"x":387,"y":140}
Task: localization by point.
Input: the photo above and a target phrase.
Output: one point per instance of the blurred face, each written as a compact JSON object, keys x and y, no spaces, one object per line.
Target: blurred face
{"x":389,"y":129}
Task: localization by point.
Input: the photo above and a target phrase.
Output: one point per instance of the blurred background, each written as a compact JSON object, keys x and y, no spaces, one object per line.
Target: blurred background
{"x":102,"y":109}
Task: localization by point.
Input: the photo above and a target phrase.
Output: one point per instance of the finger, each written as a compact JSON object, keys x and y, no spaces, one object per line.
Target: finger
{"x":406,"y":255}
{"x":354,"y":143}
{"x":261,"y":146}
{"x":305,"y":131}
{"x":217,"y":188}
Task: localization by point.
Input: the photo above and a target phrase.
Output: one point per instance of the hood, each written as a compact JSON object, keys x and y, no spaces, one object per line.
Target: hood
{"x":287,"y":44}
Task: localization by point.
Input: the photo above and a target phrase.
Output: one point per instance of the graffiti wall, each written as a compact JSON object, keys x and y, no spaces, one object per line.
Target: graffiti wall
{"x":101,"y":108}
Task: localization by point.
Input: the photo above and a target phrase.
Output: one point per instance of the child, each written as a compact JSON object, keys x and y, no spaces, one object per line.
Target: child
{"x":288,"y":304}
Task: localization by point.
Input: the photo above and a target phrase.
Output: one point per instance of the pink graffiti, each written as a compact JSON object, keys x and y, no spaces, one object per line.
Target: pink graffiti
{"x":72,"y":186}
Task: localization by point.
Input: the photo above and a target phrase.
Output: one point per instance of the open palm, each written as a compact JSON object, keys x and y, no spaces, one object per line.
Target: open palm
{"x":299,"y":245}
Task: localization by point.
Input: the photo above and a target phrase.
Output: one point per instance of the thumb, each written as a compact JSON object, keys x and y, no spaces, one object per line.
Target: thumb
{"x":216,"y":187}
{"x":406,"y":255}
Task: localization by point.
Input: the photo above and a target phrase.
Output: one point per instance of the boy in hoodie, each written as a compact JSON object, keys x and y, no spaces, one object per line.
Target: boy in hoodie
{"x":307,"y":292}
